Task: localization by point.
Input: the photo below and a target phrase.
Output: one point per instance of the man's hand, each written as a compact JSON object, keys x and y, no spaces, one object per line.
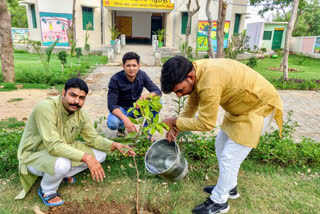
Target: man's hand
{"x":173,"y":131}
{"x":129,"y":125}
{"x":96,"y":170}
{"x":119,"y":146}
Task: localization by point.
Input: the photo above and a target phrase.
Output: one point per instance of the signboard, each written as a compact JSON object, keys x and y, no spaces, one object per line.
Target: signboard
{"x":279,"y":29}
{"x":151,"y":4}
{"x":202,"y":41}
{"x":317,"y":45}
{"x":54,"y":26}
{"x":20,"y":35}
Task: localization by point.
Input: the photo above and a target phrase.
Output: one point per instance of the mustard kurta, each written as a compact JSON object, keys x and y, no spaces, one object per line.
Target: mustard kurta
{"x":244,"y":94}
{"x":50,"y":133}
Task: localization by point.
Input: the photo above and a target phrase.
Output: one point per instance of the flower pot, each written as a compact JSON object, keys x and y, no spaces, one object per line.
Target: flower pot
{"x":160,"y":44}
{"x":112,"y":42}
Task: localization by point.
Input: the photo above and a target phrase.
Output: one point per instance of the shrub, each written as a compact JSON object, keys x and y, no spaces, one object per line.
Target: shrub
{"x":300,"y":84}
{"x":20,"y":51}
{"x":104,"y":60}
{"x":8,"y":86}
{"x":253,"y":62}
{"x":300,"y":59}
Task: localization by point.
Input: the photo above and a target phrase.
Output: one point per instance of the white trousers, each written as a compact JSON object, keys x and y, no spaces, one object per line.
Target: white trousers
{"x":63,"y":169}
{"x":230,"y":155}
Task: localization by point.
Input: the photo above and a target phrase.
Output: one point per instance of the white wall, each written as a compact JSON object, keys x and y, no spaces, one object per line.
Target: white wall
{"x":255,"y":32}
{"x":141,"y":23}
{"x":55,"y":6}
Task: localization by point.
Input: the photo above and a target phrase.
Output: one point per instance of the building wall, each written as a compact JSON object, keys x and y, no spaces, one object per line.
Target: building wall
{"x":271,"y":27}
{"x":174,"y":18}
{"x":34,"y":33}
{"x":255,"y":33}
{"x":141,"y":23}
{"x":307,"y":46}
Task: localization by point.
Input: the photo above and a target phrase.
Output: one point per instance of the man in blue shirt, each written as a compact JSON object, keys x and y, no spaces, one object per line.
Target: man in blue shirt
{"x":125,"y":88}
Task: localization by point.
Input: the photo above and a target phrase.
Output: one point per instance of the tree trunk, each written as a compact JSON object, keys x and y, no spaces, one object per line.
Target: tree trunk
{"x":220,"y":28}
{"x":6,"y":47}
{"x":209,"y":15}
{"x":288,"y":36}
{"x":190,"y":14}
{"x":71,"y":32}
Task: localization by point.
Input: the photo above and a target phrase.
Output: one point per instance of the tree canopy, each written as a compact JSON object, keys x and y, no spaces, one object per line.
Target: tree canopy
{"x":18,"y":14}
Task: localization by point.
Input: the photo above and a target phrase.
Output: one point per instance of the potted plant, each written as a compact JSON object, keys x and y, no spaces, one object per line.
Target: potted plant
{"x":114,"y":33}
{"x":160,"y":35}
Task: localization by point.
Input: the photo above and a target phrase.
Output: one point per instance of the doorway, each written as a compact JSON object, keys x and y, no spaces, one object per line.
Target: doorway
{"x":156,"y":24}
{"x":277,"y":39}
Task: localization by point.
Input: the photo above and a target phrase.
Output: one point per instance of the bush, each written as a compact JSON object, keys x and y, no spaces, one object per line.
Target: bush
{"x":299,"y":84}
{"x":104,"y":60}
{"x":20,"y":51}
{"x":8,"y":86}
{"x":284,"y":151}
{"x":253,"y":62}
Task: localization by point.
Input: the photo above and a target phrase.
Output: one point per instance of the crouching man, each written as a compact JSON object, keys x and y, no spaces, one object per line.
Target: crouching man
{"x":48,"y":147}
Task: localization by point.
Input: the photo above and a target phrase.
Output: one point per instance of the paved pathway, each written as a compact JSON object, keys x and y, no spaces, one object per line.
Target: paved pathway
{"x":305,"y":104}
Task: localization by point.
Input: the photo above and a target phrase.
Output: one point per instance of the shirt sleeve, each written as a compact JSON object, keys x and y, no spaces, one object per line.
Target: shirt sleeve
{"x":209,"y":100}
{"x":149,"y":85}
{"x":46,"y":119}
{"x":92,"y":138}
{"x":113,"y":95}
{"x":191,"y":106}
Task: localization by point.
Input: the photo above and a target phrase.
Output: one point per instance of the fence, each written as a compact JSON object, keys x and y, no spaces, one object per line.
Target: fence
{"x":306,"y":45}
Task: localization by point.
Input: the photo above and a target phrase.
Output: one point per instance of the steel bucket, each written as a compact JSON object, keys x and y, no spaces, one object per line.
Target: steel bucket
{"x":164,"y":158}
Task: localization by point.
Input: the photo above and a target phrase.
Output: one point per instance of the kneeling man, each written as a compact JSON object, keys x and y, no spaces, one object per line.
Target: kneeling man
{"x":48,"y":147}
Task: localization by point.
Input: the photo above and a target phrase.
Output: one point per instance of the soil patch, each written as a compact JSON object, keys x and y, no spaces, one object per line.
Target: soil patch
{"x":289,"y":69}
{"x":98,"y":207}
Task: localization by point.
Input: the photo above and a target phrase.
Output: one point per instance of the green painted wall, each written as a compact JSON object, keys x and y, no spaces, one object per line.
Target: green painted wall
{"x":270,"y":27}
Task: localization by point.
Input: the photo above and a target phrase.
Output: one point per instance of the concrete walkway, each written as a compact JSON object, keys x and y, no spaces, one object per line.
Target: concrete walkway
{"x":304,"y":104}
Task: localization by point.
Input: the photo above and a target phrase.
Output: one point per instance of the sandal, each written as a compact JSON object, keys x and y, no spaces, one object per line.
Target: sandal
{"x":49,"y":197}
{"x":66,"y":180}
{"x":120,"y":133}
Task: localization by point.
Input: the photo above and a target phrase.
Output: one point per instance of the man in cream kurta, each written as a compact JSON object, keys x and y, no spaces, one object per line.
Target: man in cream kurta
{"x":49,"y":148}
{"x":249,"y":100}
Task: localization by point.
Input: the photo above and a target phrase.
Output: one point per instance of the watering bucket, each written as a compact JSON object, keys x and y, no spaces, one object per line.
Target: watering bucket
{"x":164,"y":158}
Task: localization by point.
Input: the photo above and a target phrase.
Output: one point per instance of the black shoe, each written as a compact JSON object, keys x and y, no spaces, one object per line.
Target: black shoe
{"x":233,"y":194}
{"x":210,"y":207}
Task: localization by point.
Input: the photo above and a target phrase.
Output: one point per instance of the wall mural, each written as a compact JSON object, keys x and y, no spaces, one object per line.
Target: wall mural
{"x":54,"y":26}
{"x":202,"y":42}
{"x":20,"y":35}
{"x":317,"y":45}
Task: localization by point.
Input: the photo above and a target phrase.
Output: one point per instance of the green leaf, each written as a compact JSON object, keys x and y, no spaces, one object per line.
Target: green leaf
{"x":130,"y":110}
{"x":136,"y":113}
{"x":133,"y":121}
{"x":131,"y":135}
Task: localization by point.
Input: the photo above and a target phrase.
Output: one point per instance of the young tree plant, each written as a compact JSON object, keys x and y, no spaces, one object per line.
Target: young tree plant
{"x":142,"y":111}
{"x":62,"y":55}
{"x":78,"y":53}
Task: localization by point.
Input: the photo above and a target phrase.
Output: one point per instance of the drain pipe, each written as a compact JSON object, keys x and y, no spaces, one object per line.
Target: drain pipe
{"x":174,"y":24}
{"x":102,"y":23}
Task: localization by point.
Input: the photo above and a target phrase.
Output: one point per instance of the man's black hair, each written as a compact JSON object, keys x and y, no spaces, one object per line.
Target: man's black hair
{"x":173,"y":72}
{"x":76,"y":83}
{"x":129,"y":56}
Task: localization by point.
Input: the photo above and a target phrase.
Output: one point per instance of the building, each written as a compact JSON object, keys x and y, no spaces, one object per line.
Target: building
{"x":49,"y":20}
{"x":269,"y":35}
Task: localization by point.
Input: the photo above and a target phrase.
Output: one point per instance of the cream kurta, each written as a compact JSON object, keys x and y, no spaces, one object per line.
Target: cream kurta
{"x":244,"y":94}
{"x":50,"y":133}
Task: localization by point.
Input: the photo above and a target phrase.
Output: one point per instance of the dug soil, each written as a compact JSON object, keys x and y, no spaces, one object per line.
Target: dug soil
{"x":97,"y":207}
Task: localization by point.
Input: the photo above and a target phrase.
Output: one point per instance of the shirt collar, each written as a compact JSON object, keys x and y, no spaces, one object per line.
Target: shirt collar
{"x":123,"y":75}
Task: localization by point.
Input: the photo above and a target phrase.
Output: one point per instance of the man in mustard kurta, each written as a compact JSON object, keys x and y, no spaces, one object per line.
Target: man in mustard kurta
{"x":249,"y":100}
{"x":48,"y":147}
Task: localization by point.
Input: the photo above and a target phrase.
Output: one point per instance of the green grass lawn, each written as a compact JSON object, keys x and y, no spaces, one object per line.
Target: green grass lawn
{"x":30,"y":72}
{"x":310,"y":68}
{"x":263,"y":189}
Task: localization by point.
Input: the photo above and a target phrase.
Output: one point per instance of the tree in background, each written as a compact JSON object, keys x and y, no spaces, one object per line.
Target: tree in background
{"x":190,"y":14}
{"x":6,"y":47}
{"x":270,"y":5}
{"x":306,"y":23}
{"x":210,"y":23}
{"x":18,"y":14}
{"x":220,"y":28}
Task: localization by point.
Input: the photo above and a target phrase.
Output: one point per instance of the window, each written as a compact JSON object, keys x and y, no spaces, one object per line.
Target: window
{"x":184,"y":22}
{"x":267,"y":35}
{"x":34,"y":18}
{"x":87,"y":17}
{"x":237,"y":23}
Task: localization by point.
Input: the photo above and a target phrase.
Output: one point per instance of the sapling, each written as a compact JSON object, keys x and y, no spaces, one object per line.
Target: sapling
{"x":62,"y":55}
{"x":78,"y":53}
{"x":148,"y":124}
